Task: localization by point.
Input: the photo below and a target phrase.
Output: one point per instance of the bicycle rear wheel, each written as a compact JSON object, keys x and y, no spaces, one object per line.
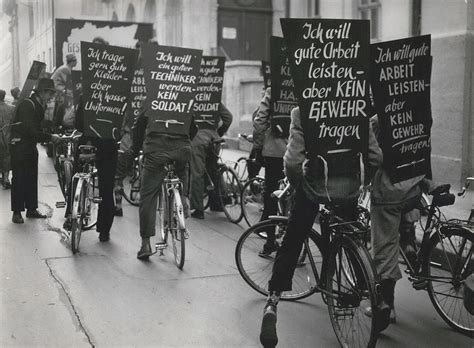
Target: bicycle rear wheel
{"x":350,"y":289}
{"x":230,"y":191}
{"x":449,"y":262}
{"x":91,"y":207}
{"x":177,"y":227}
{"x":77,"y":223}
{"x":240,"y":167}
{"x":252,"y":200}
{"x":257,"y":270}
{"x":131,"y":188}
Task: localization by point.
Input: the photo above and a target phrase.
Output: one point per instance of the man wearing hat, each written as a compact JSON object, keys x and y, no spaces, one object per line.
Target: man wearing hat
{"x":64,"y":86}
{"x":24,"y":154}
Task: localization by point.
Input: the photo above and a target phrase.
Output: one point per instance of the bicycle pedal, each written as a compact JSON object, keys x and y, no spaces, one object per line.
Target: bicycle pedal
{"x":97,"y":200}
{"x":161,"y":246}
{"x":186,"y":234}
{"x":60,"y":205}
{"x":420,"y":284}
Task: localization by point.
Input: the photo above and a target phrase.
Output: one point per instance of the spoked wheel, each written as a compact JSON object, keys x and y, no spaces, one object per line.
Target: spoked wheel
{"x":449,"y":262}
{"x":350,"y":290}
{"x":256,"y":268}
{"x":229,"y":194}
{"x":91,"y":206}
{"x":240,"y":167}
{"x":78,"y":214}
{"x":208,"y":188}
{"x":177,"y":228}
{"x":131,"y":190}
{"x":252,"y":200}
{"x":65,"y":176}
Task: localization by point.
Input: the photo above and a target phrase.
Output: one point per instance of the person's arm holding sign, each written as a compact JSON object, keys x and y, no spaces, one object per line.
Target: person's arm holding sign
{"x":295,"y":151}
{"x":260,"y":124}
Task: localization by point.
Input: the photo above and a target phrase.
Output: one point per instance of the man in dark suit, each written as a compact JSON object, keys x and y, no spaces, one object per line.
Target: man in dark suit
{"x":24,"y":154}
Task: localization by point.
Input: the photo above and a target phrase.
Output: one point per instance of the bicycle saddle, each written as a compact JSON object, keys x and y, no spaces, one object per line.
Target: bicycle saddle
{"x":440,"y":189}
{"x":218,"y":141}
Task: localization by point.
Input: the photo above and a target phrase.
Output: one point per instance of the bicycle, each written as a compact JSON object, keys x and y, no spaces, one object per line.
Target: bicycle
{"x":131,"y":188}
{"x":228,"y":188}
{"x":85,"y":200}
{"x":335,"y":263}
{"x":64,"y":159}
{"x":444,"y":260}
{"x":172,"y":219}
{"x":241,"y":167}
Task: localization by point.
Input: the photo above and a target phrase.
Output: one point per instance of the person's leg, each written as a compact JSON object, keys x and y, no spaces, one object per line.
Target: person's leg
{"x":152,"y":177}
{"x":31,"y":201}
{"x":106,"y":165}
{"x":18,"y":186}
{"x":198,"y":162}
{"x":212,"y":168}
{"x":123,"y":163}
{"x":301,"y":220}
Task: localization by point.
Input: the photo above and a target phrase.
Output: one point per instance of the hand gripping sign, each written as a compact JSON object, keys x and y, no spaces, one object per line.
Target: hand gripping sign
{"x":171,"y":75}
{"x":400,"y":79}
{"x":107,"y":73}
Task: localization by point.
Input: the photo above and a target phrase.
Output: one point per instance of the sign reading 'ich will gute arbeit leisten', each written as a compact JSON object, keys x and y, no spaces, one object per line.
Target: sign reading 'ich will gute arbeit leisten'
{"x":329,"y":62}
{"x":400,"y":79}
{"x":107,"y":73}
{"x":171,"y":75}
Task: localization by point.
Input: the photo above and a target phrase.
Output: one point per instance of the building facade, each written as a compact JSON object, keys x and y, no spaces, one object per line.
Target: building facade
{"x":240,"y":31}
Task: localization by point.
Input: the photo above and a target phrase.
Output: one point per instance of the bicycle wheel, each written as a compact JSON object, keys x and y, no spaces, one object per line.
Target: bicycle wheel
{"x":77,"y":224}
{"x":350,"y":289}
{"x":448,"y":262}
{"x":177,"y":227}
{"x":131,"y":190}
{"x":252,"y":200}
{"x":240,"y":167}
{"x":91,"y":207}
{"x":229,"y":194}
{"x":67,"y":178}
{"x":257,"y":270}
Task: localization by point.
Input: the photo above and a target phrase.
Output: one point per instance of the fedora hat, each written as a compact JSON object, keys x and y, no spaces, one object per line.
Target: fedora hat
{"x":45,"y":84}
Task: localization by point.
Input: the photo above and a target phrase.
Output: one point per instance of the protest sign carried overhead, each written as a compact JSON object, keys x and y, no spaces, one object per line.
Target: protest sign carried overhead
{"x":37,"y":71}
{"x":400,"y":80}
{"x":171,"y":75}
{"x":209,"y":92}
{"x":283,"y":97}
{"x":70,"y":33}
{"x":106,"y":80}
{"x":329,"y":62}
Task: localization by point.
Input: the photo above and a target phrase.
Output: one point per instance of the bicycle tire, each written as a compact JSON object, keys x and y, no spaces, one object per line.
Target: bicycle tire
{"x":230,"y":191}
{"x":61,"y":181}
{"x":77,"y":215}
{"x":131,"y":188}
{"x":68,"y":173}
{"x":452,"y":247}
{"x":344,"y":300}
{"x":257,"y":271}
{"x":177,"y":228}
{"x":91,"y":206}
{"x":240,"y":167}
{"x":163,"y":212}
{"x":252,"y":200}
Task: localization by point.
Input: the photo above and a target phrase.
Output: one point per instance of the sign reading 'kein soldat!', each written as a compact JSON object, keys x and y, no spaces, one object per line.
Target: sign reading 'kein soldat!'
{"x":329,"y":62}
{"x":107,"y":73}
{"x":400,"y":79}
{"x":171,"y":75}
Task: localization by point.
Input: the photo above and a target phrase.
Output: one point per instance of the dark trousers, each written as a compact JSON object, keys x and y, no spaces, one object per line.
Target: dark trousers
{"x":106,"y":164}
{"x":301,"y":219}
{"x":24,"y":191}
{"x":273,"y":174}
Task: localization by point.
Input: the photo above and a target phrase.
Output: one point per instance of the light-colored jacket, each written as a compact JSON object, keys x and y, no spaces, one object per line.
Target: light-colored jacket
{"x":263,"y":138}
{"x":301,"y":170}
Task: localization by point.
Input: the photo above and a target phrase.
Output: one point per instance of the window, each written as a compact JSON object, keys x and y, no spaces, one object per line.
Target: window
{"x":130,"y":13}
{"x":92,"y":7}
{"x":370,"y":9}
{"x":313,"y":9}
{"x":31,"y":19}
{"x":50,"y":60}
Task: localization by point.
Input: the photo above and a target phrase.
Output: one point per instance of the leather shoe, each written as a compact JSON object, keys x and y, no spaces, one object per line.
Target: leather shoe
{"x":145,"y":252}
{"x":104,"y":237}
{"x":198,"y":214}
{"x":35,"y":214}
{"x":17,"y":218}
{"x":118,"y":212}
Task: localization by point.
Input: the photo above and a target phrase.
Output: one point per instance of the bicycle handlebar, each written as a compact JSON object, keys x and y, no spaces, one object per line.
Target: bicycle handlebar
{"x":466,"y":186}
{"x":74,"y":135}
{"x":248,"y":137}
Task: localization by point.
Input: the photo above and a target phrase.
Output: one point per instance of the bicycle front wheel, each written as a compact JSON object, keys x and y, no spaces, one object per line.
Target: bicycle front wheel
{"x":256,"y":268}
{"x":252,"y":200}
{"x":447,"y":264}
{"x":77,"y":223}
{"x":91,"y":207}
{"x":350,"y":290}
{"x":229,"y":194}
{"x":177,"y":228}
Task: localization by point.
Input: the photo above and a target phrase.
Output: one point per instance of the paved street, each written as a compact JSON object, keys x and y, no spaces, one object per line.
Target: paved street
{"x":104,"y":296}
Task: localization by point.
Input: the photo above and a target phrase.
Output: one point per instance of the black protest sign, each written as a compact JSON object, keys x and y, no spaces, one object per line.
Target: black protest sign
{"x":209,"y":92}
{"x":107,"y":73}
{"x":171,"y":75}
{"x":266,"y":73}
{"x":138,"y":91}
{"x":329,"y":61}
{"x":400,"y":81}
{"x":283,"y":97}
{"x":37,"y":71}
